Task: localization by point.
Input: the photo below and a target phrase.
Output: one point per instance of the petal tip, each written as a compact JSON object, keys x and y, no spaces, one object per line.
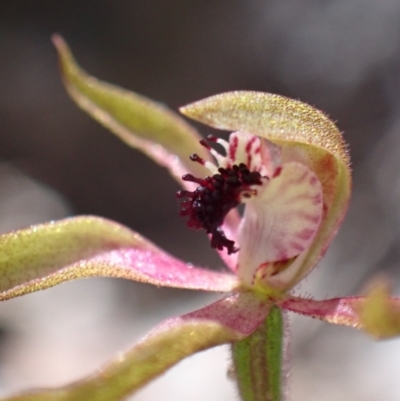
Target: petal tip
{"x":378,"y":312}
{"x":62,"y":48}
{"x":57,"y":40}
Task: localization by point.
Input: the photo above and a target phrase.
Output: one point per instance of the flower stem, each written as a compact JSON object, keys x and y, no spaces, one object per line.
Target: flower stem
{"x":258,"y":361}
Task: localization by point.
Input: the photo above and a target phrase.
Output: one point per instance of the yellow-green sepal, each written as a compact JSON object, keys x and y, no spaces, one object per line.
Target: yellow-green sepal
{"x":140,"y":122}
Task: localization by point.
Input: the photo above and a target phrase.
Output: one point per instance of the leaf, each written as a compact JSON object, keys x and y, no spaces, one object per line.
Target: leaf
{"x":228,"y":320}
{"x":305,"y":135}
{"x":141,"y":123}
{"x":45,"y":255}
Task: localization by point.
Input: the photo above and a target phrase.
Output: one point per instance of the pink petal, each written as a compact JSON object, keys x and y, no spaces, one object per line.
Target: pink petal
{"x":280,"y":222}
{"x":48,"y":254}
{"x":337,"y":310}
{"x":377,"y":313}
{"x":225,"y":321}
{"x":153,"y":266}
{"x":240,"y":312}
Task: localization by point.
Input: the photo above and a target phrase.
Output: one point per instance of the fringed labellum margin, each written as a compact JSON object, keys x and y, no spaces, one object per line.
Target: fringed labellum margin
{"x":295,"y":133}
{"x":284,"y":205}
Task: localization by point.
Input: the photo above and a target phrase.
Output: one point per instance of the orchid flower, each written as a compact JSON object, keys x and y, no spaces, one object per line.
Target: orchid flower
{"x":285,"y":161}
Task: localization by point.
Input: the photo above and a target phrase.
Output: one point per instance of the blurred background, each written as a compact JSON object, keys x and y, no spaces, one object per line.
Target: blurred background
{"x":341,"y":56}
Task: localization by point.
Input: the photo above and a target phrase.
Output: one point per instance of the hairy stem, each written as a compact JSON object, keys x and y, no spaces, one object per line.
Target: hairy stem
{"x":258,"y":361}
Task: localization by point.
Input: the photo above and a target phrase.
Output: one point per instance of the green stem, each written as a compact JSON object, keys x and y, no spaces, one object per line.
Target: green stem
{"x":258,"y":361}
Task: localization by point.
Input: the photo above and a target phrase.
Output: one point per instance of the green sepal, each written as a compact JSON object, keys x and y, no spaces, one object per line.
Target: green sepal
{"x":140,"y":122}
{"x":258,"y":361}
{"x":130,"y":371}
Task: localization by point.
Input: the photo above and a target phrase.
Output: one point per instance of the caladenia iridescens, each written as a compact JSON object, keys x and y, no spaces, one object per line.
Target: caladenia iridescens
{"x":289,"y":166}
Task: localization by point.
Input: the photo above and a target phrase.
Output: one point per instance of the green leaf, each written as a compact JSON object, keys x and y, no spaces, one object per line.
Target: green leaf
{"x":258,"y":361}
{"x":138,"y":121}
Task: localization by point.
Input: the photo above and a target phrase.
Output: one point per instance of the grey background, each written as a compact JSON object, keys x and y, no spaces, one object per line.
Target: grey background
{"x":341,"y":56}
